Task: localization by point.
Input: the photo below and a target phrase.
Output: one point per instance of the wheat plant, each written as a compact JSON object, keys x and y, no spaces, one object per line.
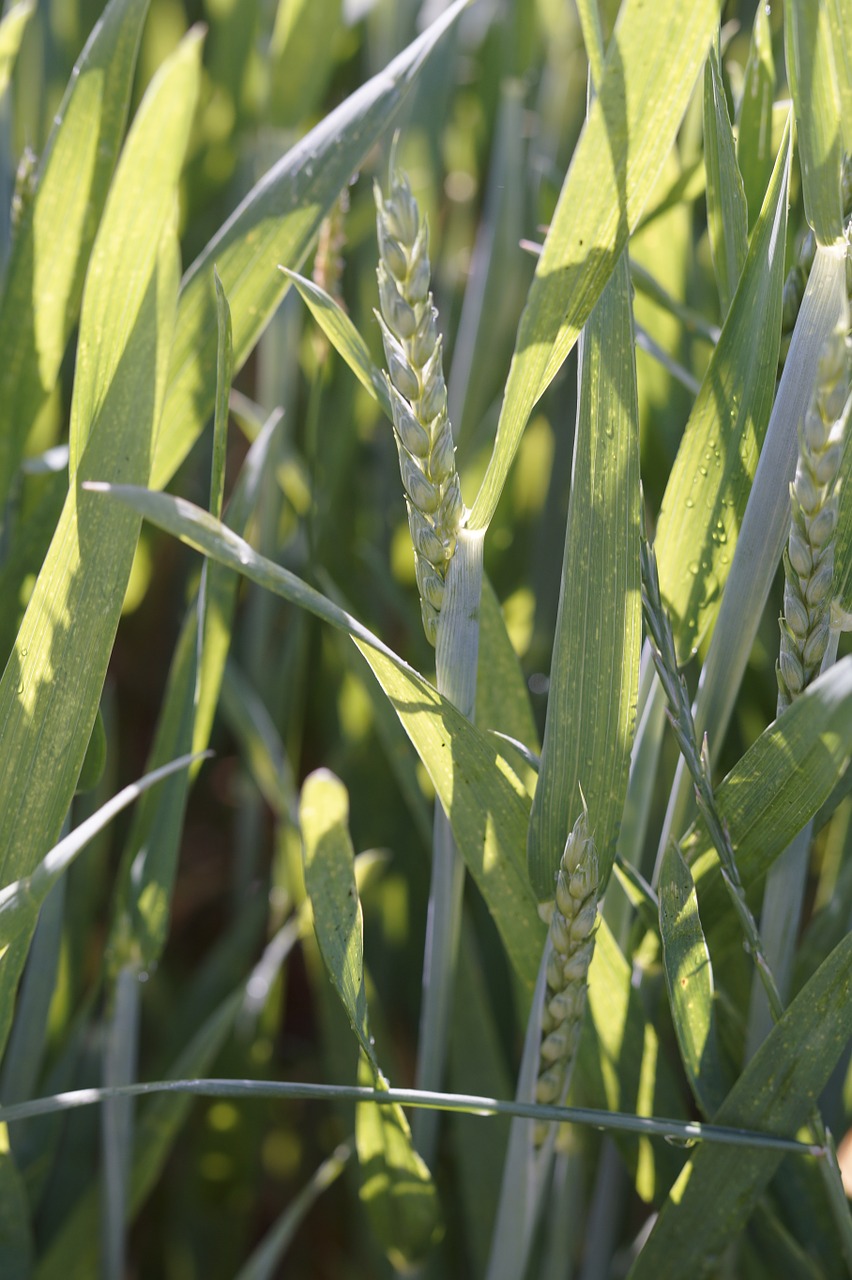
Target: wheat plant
{"x":394,"y":883}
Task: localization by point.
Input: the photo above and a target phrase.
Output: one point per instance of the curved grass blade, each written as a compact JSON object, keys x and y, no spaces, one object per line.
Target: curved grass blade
{"x":812,"y":73}
{"x":51,"y":688}
{"x":44,"y":278}
{"x":650,"y":70}
{"x":754,"y":132}
{"x":689,"y":980}
{"x":727,"y":213}
{"x":709,"y":485}
{"x":489,"y":825}
{"x":715,"y":1194}
{"x":21,"y":901}
{"x":594,"y":678}
{"x":343,"y":336}
{"x":275,"y":224}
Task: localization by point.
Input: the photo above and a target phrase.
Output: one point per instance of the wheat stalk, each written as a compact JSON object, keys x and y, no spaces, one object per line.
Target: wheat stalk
{"x":418,"y":393}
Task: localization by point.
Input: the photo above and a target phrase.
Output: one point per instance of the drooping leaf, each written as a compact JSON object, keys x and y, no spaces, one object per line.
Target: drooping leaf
{"x":488,"y":812}
{"x":594,"y":675}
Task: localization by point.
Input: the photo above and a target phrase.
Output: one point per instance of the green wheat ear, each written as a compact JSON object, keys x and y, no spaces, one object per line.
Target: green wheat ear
{"x":572,"y":922}
{"x":809,"y":556}
{"x":418,"y":393}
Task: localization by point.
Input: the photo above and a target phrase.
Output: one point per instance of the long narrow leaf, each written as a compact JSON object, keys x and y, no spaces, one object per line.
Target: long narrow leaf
{"x":594,"y":677}
{"x":44,"y":279}
{"x":709,"y":484}
{"x":651,"y":67}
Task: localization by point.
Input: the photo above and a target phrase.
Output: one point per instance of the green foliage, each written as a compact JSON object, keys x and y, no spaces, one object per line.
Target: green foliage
{"x":228,"y":935}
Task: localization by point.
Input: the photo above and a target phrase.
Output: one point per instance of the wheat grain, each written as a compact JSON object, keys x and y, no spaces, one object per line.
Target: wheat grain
{"x":418,"y":393}
{"x":572,"y":921}
{"x":809,"y":555}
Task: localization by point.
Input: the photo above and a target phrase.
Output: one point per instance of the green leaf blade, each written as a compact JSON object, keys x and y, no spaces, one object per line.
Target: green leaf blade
{"x":812,"y":73}
{"x":689,"y":980}
{"x":44,"y":279}
{"x":709,"y":485}
{"x":754,"y":135}
{"x":727,"y":213}
{"x":329,"y":862}
{"x":594,"y":678}
{"x":651,"y":66}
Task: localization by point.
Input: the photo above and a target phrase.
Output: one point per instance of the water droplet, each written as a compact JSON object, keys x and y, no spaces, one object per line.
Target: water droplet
{"x":690,"y":504}
{"x":675,"y":1140}
{"x":693,"y":568}
{"x":703,"y":470}
{"x":21,"y":687}
{"x":24,"y":652}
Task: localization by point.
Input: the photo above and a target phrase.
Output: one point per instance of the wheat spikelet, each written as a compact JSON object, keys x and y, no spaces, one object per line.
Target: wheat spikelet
{"x":572,"y":921}
{"x":418,"y":393}
{"x":809,"y":556}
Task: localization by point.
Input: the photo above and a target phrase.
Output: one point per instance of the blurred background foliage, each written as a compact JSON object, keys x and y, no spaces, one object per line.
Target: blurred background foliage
{"x":486,"y":140}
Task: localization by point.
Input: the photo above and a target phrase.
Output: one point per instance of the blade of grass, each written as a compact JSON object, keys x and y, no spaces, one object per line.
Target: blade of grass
{"x":727,"y":212}
{"x":754,"y":132}
{"x":766,"y":520}
{"x":650,"y":70}
{"x":812,"y":73}
{"x":708,"y":487}
{"x":44,"y":278}
{"x":689,"y":981}
{"x":73,"y":1253}
{"x":594,"y":675}
{"x":51,"y":688}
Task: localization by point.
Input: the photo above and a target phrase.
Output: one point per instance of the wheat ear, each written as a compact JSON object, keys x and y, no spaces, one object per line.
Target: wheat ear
{"x":809,"y":555}
{"x":418,"y":393}
{"x":572,"y":921}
